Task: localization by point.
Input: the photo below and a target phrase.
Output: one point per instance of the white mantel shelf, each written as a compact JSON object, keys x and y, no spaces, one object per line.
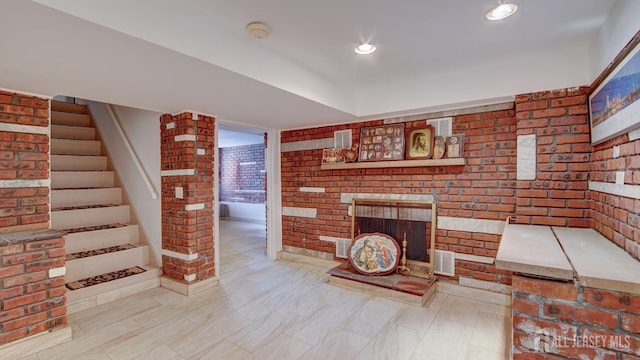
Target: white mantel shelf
{"x":395,"y":164}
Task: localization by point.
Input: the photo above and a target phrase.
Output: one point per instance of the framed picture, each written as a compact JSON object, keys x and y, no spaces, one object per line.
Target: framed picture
{"x":439,"y":147}
{"x":614,"y":102}
{"x":381,"y":143}
{"x":455,"y":145}
{"x":332,"y":156}
{"x":419,"y":142}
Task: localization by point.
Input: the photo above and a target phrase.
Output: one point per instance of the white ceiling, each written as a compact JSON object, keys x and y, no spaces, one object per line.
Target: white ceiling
{"x":169,"y":55}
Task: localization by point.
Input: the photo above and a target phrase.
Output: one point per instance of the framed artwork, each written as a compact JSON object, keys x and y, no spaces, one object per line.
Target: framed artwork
{"x":455,"y":145}
{"x":419,"y":142}
{"x":439,"y":147}
{"x":374,"y":254}
{"x":383,"y":142}
{"x":614,"y":103}
{"x":332,"y":156}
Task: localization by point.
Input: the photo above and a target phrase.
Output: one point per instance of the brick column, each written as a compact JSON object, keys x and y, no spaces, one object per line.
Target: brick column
{"x":558,"y":194}
{"x":32,"y":291}
{"x":187,"y":150}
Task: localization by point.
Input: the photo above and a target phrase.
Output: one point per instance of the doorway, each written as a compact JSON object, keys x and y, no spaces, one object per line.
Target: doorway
{"x":241,"y":228}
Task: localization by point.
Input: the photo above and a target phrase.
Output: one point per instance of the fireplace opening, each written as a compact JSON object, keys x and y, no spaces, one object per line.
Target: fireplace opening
{"x":400,"y":219}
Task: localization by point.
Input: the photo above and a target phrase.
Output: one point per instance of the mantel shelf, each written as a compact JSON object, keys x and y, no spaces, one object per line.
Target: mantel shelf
{"x":394,"y":164}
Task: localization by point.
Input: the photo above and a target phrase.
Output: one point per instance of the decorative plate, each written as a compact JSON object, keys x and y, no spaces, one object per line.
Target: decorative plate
{"x":374,"y":254}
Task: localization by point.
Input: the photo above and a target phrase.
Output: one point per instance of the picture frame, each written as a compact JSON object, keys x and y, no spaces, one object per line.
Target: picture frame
{"x":614,"y":101}
{"x":382,"y":143}
{"x":332,"y":156}
{"x":455,"y":146}
{"x":439,"y":147}
{"x":419,"y":142}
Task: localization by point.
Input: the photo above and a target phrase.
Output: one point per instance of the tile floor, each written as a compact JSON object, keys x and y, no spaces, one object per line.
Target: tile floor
{"x":282,"y":310}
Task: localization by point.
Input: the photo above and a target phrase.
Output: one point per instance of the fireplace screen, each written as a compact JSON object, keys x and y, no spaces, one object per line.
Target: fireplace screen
{"x":413,"y":221}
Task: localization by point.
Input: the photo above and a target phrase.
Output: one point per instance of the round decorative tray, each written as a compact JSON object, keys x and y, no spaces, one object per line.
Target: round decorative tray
{"x":374,"y":254}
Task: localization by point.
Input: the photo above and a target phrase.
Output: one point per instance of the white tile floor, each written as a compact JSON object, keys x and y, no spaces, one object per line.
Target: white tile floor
{"x":282,"y":310}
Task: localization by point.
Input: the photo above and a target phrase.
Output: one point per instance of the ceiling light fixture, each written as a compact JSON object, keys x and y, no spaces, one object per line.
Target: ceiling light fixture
{"x":502,"y":11}
{"x":365,"y":49}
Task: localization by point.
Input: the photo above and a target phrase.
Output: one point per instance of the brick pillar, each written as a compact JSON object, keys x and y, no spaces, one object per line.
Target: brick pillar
{"x":558,"y":194}
{"x":32,"y":291}
{"x":187,"y":150}
{"x":24,"y":162}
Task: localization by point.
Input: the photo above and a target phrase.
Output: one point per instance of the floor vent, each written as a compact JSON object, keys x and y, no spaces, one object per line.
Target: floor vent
{"x":445,"y":263}
{"x":342,"y":246}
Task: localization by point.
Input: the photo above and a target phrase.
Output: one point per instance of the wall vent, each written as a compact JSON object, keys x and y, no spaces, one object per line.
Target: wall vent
{"x":445,"y":263}
{"x":342,"y":247}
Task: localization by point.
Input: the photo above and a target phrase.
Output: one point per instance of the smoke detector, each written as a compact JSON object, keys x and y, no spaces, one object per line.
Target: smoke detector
{"x":258,"y":30}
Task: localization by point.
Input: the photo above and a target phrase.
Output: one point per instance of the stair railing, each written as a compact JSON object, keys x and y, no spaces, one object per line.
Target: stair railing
{"x":132,"y":153}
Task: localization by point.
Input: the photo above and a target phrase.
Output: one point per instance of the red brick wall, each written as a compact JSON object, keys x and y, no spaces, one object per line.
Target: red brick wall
{"x":614,"y":216}
{"x":574,"y":321}
{"x":483,"y":189}
{"x":234,"y":178}
{"x":187,"y":231}
{"x":32,"y":302}
{"x":558,"y":195}
{"x":23,"y":156}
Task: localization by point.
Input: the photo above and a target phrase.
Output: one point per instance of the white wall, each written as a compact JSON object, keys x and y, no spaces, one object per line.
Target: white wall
{"x":621,"y":24}
{"x":142,"y":128}
{"x":254,"y":213}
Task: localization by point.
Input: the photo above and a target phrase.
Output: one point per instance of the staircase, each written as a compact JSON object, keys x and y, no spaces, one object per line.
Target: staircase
{"x":105,"y":258}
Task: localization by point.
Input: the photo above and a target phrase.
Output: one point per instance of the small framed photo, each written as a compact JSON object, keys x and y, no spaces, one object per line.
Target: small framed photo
{"x":455,"y":146}
{"x":332,"y":156}
{"x":419,"y":143}
{"x":439,"y":147}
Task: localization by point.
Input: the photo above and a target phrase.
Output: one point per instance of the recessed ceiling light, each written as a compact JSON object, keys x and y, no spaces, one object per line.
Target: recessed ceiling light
{"x":502,"y":11}
{"x":365,"y":49}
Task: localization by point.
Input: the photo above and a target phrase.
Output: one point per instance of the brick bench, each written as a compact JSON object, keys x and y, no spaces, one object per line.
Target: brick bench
{"x":592,"y":313}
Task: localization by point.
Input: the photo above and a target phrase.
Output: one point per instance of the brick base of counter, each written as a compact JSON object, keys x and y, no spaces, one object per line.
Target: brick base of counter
{"x":562,"y":320}
{"x":32,"y":289}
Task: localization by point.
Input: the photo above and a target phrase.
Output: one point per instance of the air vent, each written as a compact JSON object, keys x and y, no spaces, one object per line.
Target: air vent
{"x":445,"y":263}
{"x":342,"y":247}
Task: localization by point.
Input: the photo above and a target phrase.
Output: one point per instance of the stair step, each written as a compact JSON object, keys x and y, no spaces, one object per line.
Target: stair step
{"x":94,"y":228}
{"x":102,"y":278}
{"x":78,"y":218}
{"x":67,"y":118}
{"x":95,"y":252}
{"x":82,"y":179}
{"x":75,"y":147}
{"x":105,"y":292}
{"x":82,"y":207}
{"x":68,"y":107}
{"x":76,"y":162}
{"x":101,"y":261}
{"x":72,"y":132}
{"x":82,"y":197}
{"x":86,"y":239}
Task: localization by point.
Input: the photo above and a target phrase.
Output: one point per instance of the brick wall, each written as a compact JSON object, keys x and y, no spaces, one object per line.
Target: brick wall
{"x":617,"y":217}
{"x":187,"y":196}
{"x":558,"y":195}
{"x":573,"y":322}
{"x":483,"y":189}
{"x":238,"y":174}
{"x":24,"y":162}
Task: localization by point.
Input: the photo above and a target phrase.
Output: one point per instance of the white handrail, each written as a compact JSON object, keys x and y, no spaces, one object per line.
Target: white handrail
{"x":132,"y":153}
